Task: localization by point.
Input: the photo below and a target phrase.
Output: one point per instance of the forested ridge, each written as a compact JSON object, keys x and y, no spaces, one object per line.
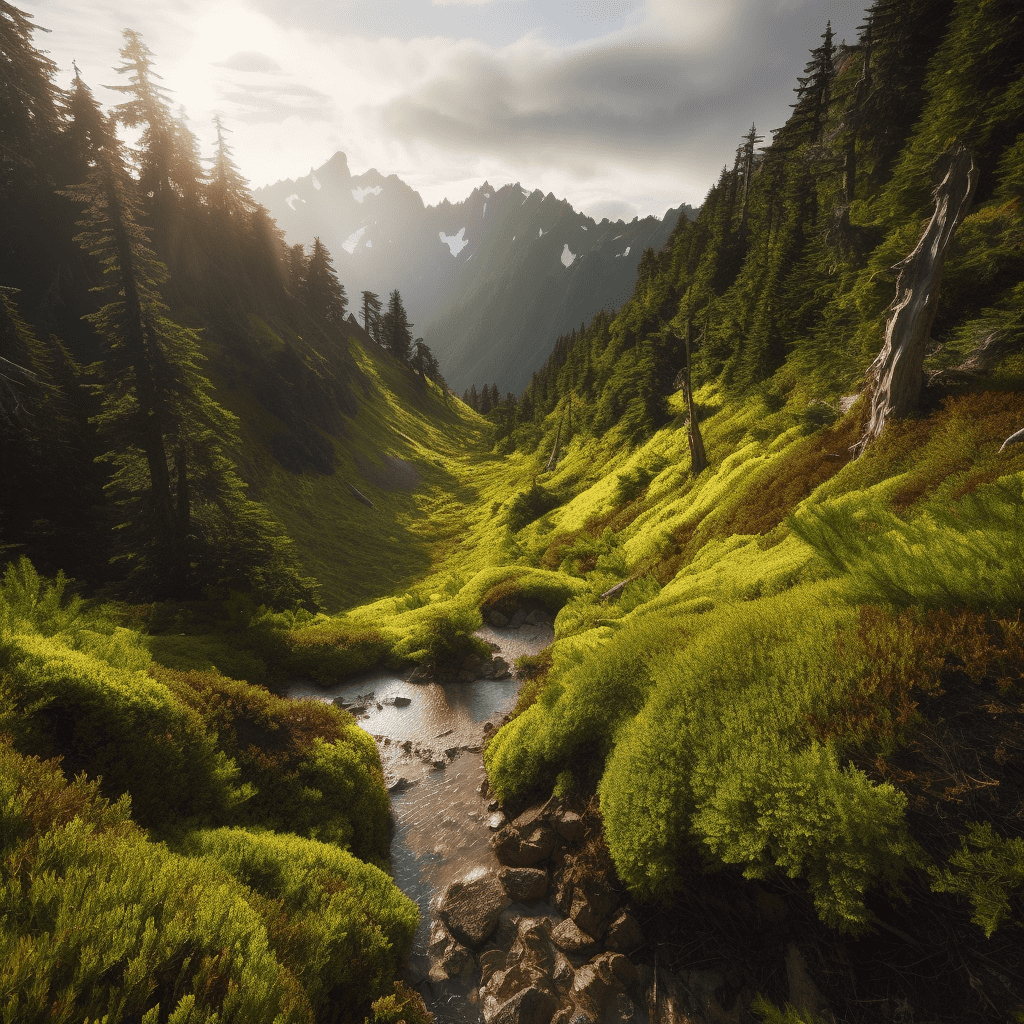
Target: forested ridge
{"x":776,"y":501}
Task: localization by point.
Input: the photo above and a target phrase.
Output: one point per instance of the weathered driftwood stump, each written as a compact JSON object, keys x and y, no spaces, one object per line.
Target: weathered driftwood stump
{"x":896,"y":375}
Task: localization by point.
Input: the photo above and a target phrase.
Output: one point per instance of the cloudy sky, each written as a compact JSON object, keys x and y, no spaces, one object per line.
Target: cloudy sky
{"x":623,"y":107}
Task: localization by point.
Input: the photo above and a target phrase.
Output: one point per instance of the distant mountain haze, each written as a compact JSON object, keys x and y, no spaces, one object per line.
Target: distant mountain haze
{"x":488,"y":282}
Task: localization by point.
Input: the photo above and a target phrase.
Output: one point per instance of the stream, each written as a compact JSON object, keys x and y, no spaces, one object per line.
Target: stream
{"x":430,"y":752}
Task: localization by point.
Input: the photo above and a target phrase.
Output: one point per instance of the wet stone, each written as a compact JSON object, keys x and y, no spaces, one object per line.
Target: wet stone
{"x":524,"y":885}
{"x":569,"y":825}
{"x":471,"y":908}
{"x":568,"y":936}
{"x":495,"y":821}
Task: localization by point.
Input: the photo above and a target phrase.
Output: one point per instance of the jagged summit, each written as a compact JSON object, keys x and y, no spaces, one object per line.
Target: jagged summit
{"x":489,"y":280}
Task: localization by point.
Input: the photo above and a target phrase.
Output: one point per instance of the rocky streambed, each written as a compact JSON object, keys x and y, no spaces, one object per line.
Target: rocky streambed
{"x":522,"y":921}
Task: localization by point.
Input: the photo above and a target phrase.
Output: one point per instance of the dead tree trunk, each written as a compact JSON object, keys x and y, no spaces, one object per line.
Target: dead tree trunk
{"x":698,"y":458}
{"x":553,"y":461}
{"x":896,"y":375}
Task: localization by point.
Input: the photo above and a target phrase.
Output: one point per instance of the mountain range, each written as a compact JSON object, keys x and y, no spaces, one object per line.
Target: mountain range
{"x":489,"y":282}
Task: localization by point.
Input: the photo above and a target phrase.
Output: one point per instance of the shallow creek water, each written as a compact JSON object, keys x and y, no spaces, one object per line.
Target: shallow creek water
{"x":441,"y":819}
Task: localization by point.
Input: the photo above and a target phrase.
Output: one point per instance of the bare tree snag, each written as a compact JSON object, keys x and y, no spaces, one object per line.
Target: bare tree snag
{"x":1012,"y":439}
{"x":698,"y":457}
{"x":553,"y":461}
{"x":896,"y":375}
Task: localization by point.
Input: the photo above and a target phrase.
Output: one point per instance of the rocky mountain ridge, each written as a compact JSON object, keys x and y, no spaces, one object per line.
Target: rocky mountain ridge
{"x":489,"y":282}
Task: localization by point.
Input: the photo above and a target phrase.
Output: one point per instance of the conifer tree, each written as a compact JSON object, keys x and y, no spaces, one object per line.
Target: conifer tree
{"x":30,"y":117}
{"x":148,"y":106}
{"x":396,"y":331}
{"x":322,"y":292}
{"x":227,"y":191}
{"x":371,"y":315}
{"x":182,"y":516}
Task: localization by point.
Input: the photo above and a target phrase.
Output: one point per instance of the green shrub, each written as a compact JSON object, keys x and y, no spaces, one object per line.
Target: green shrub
{"x":529,"y":505}
{"x":969,"y":555}
{"x":720,"y":766}
{"x":100,"y":924}
{"x":340,"y":926}
{"x":309,"y":768}
{"x":987,"y":870}
{"x":118,"y":724}
{"x":588,"y":694}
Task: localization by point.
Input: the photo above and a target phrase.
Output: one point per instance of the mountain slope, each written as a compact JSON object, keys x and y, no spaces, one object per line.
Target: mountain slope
{"x":489,"y":282}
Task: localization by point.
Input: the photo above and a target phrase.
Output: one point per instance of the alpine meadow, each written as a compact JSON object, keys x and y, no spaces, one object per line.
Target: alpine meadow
{"x":770,"y":499}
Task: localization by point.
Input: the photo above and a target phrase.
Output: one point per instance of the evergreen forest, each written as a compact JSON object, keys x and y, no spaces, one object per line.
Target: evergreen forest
{"x":774,"y":502}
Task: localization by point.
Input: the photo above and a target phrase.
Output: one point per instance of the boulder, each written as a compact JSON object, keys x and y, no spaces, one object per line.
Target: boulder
{"x":400,"y":784}
{"x":518,"y":619}
{"x":497,"y":619}
{"x":624,"y":934}
{"x":593,"y":903}
{"x":471,"y":908}
{"x":568,"y":936}
{"x":569,"y":825}
{"x":524,"y":885}
{"x":398,"y":702}
{"x":495,"y":821}
{"x":448,"y":958}
{"x":533,"y":1005}
{"x":537,"y":618}
{"x":522,"y":848}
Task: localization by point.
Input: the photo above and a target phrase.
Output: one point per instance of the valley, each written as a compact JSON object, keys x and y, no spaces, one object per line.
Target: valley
{"x":682,"y":682}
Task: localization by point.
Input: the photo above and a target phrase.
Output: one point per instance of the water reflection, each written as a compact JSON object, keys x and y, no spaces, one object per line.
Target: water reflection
{"x":441,"y":831}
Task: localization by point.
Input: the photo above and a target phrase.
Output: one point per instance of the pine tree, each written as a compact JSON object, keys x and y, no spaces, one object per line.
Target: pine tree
{"x":148,"y":107}
{"x":183,"y":519}
{"x":30,"y":117}
{"x":473,"y":399}
{"x":322,"y":293}
{"x":371,"y":315}
{"x":227,"y":191}
{"x":396,"y":331}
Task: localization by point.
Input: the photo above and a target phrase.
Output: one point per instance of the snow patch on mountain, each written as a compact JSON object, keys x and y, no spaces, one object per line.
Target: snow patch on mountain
{"x":567,"y":257}
{"x":456,"y":243}
{"x":293,"y":199}
{"x":541,"y":230}
{"x":350,"y":243}
{"x":369,"y":243}
{"x":316,"y":181}
{"x":359,"y":194}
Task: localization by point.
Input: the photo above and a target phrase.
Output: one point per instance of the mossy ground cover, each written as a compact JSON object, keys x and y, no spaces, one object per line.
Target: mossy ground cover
{"x":789,"y":638}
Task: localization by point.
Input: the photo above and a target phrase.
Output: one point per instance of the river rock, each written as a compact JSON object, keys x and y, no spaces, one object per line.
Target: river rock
{"x":449,"y":959}
{"x":533,"y":1005}
{"x":568,"y":936}
{"x":497,"y":619}
{"x":471,"y":908}
{"x":397,"y":702}
{"x":592,"y":906}
{"x":569,"y":825}
{"x":526,"y":841}
{"x":400,"y":784}
{"x":495,"y":821}
{"x":537,"y":618}
{"x":518,"y":619}
{"x":624,"y":934}
{"x":524,"y":885}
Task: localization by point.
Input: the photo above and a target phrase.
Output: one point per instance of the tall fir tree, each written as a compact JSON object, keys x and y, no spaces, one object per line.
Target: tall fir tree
{"x":182,"y":517}
{"x":372,"y":315}
{"x":322,"y":293}
{"x":396,"y":331}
